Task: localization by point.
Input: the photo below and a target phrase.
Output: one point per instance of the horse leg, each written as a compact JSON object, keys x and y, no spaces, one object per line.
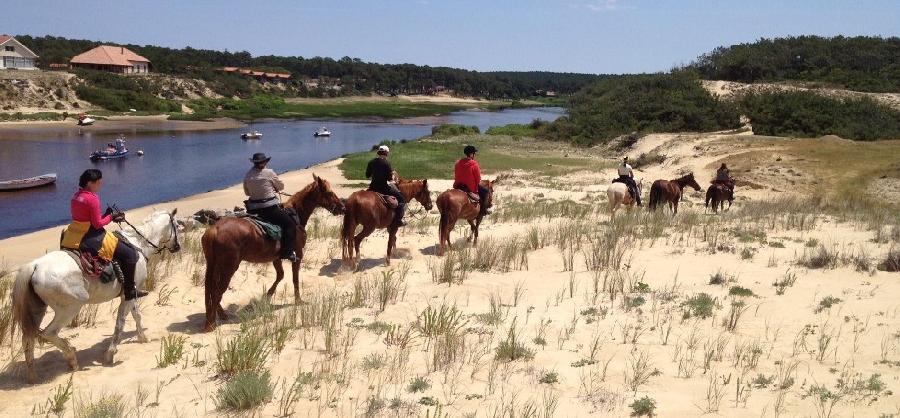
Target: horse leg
{"x":392,"y":241}
{"x":124,"y":307}
{"x":279,"y":274}
{"x":473,"y":224}
{"x":357,"y":241}
{"x":62,"y":316}
{"x":138,"y":317}
{"x":216,"y":287}
{"x":295,"y":276}
{"x":28,"y":348}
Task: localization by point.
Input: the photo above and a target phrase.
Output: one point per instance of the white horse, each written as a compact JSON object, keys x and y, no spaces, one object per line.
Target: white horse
{"x":618,"y":195}
{"x":55,"y":280}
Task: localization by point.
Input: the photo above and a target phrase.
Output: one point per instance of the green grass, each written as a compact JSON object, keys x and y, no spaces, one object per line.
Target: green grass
{"x":264,"y":106}
{"x":513,"y":129}
{"x":19,"y":116}
{"x":435,"y":159}
{"x":246,"y":390}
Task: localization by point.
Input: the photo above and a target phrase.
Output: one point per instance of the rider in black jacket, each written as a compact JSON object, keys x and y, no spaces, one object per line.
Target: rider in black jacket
{"x":380,"y":171}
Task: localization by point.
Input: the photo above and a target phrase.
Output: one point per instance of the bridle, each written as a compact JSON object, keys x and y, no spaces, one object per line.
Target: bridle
{"x":160,"y":247}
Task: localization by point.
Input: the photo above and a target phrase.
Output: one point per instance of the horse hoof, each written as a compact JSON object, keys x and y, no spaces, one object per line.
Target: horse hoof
{"x":110,"y":356}
{"x":209,"y":328}
{"x":143,"y":339}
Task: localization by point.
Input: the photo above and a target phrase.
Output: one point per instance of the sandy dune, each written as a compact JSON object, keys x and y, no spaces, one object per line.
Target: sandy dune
{"x":605,"y":312}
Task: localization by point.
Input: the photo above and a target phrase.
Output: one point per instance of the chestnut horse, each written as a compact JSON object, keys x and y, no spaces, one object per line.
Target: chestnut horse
{"x":454,"y":204}
{"x":718,"y":194}
{"x":232,"y":240}
{"x":368,"y":209}
{"x":670,"y":191}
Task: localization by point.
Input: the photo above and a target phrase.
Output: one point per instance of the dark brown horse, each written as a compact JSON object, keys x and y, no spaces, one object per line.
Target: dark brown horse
{"x":367,"y":208}
{"x":232,"y":240}
{"x":717,"y":194}
{"x":453,"y":205}
{"x":670,"y":191}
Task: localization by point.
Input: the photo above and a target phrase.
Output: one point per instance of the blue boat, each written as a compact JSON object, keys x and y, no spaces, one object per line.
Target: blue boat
{"x":112,"y":151}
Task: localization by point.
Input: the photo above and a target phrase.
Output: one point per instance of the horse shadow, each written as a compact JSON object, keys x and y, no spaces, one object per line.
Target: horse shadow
{"x":194,"y":323}
{"x":51,"y":364}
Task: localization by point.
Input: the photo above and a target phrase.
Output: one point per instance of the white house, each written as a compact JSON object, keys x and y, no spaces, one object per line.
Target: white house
{"x":15,"y":55}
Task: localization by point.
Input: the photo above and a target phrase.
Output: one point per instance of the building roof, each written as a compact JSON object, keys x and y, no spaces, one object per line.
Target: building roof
{"x":6,"y":38}
{"x":109,"y":55}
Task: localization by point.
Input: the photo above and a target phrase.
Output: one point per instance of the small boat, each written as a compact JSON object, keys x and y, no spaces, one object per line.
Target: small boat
{"x":28,"y":183}
{"x":251,"y":135}
{"x":85,"y":120}
{"x":323,"y":131}
{"x":112,"y":151}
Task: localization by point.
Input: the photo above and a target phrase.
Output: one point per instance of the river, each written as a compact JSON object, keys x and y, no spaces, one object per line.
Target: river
{"x":179,"y":164}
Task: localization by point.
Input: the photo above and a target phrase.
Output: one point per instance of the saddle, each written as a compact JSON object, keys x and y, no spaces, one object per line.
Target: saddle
{"x":474,"y":198}
{"x":94,"y":267}
{"x":269,"y":230}
{"x":389,"y":201}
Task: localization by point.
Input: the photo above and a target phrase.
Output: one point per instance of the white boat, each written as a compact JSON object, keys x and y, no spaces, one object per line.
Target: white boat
{"x":323,"y":131}
{"x":85,"y":120}
{"x":251,"y":135}
{"x":28,"y":183}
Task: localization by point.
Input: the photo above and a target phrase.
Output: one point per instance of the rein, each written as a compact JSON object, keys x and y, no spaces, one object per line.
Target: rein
{"x":155,"y":246}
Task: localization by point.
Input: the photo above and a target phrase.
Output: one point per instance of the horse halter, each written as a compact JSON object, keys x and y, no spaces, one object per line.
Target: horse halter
{"x":161,"y":246}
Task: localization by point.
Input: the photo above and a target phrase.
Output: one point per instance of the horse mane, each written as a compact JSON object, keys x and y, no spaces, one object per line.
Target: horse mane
{"x":299,"y":196}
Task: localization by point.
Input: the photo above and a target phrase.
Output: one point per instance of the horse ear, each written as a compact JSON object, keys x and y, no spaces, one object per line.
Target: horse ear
{"x":425,"y":182}
{"x":174,"y":211}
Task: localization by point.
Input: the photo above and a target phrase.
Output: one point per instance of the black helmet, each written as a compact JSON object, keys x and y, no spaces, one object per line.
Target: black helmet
{"x":470,"y":149}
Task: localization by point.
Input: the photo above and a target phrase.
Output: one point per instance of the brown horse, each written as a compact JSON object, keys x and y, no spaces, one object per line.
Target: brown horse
{"x":717,"y":194}
{"x":232,"y":240}
{"x":670,"y":191}
{"x":367,"y":208}
{"x":454,"y":204}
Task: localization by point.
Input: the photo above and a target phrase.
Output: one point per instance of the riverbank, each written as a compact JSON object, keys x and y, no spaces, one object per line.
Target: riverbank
{"x":111,"y":125}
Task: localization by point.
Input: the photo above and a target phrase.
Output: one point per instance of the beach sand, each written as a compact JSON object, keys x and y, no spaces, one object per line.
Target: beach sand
{"x":604,"y":313}
{"x":112,"y":125}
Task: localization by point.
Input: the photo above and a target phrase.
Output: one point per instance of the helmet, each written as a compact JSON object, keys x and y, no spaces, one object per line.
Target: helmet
{"x":470,"y":149}
{"x":383,"y":148}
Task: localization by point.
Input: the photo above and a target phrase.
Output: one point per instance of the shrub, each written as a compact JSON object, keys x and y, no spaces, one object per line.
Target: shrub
{"x":418,"y":384}
{"x":818,"y":258}
{"x":740,"y":291}
{"x":512,"y":348}
{"x":110,"y":405}
{"x":549,"y":378}
{"x":246,"y":390}
{"x":452,"y":129}
{"x":891,"y":261}
{"x":620,"y":105}
{"x":247,"y":351}
{"x":700,"y":306}
{"x":643,"y":406}
{"x":647,"y":159}
{"x":171,"y":349}
{"x":827,"y":302}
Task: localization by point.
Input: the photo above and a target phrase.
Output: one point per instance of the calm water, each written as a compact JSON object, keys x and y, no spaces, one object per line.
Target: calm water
{"x":184,"y":163}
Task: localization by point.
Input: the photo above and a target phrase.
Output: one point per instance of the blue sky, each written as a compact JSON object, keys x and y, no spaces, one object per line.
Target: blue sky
{"x":594,"y":36}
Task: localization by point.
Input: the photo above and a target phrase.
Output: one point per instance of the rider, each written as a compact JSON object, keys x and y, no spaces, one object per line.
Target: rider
{"x":467,"y":177}
{"x":86,"y":232}
{"x":262,"y":185}
{"x":626,"y":175}
{"x":380,"y":171}
{"x":723,"y":177}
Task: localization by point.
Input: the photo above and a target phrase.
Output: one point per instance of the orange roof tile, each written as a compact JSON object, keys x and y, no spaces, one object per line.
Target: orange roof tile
{"x":109,"y":55}
{"x":4,"y":38}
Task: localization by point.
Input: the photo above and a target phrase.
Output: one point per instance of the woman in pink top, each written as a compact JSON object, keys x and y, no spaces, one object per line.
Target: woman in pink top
{"x":86,"y":232}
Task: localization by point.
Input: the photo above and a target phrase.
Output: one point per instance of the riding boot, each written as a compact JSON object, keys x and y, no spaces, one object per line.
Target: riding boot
{"x":128,"y":287}
{"x":398,"y":214}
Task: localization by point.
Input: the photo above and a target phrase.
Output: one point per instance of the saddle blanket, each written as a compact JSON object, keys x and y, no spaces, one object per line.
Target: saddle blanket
{"x":389,"y":201}
{"x":94,"y":267}
{"x":270,"y":230}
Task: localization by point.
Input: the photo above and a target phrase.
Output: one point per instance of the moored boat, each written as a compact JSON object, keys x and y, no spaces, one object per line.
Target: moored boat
{"x":323,"y":131}
{"x":31,"y":182}
{"x":251,"y":135}
{"x":112,"y":151}
{"x":85,"y":120}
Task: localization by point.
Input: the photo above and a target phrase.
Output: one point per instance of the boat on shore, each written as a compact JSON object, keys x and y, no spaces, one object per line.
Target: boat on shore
{"x":29,"y":183}
{"x":112,"y":151}
{"x":323,"y":131}
{"x":251,"y":135}
{"x":85,"y":120}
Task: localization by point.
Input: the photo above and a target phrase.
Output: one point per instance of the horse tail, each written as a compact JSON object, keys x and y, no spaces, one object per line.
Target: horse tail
{"x":347,"y":231}
{"x":708,"y":196}
{"x":208,"y":241}
{"x":655,"y":196}
{"x":27,"y":307}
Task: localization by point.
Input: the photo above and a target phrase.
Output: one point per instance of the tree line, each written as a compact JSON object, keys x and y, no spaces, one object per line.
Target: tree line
{"x":355,"y":75}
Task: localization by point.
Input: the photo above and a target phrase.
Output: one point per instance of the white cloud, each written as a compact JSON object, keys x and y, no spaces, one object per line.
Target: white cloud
{"x":604,"y":5}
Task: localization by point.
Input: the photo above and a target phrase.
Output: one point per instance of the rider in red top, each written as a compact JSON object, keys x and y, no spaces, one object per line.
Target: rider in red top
{"x":467,"y":176}
{"x":86,"y":232}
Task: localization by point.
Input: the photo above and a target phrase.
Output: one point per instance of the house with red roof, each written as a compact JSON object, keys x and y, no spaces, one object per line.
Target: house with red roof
{"x":15,"y":55}
{"x":114,"y":59}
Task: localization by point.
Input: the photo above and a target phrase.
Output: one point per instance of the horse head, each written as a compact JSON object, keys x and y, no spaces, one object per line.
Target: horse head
{"x":326,"y":197}
{"x":688,"y":180}
{"x":160,"y":231}
{"x":416,"y":189}
{"x":489,"y":185}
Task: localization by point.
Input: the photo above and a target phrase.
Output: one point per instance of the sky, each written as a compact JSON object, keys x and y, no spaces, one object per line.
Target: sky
{"x":587,"y":36}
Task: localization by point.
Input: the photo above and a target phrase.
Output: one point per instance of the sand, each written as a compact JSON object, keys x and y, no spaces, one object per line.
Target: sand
{"x":584,"y":344}
{"x":112,"y":125}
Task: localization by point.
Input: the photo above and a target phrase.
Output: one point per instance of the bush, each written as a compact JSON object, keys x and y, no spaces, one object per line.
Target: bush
{"x":644,"y":406}
{"x":807,"y":114}
{"x":451,"y":129}
{"x":891,"y":261}
{"x":246,"y":390}
{"x":641,"y":103}
{"x":247,"y":351}
{"x":700,"y":306}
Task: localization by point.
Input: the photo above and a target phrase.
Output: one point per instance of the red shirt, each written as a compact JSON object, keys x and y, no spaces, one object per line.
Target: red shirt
{"x":467,"y":172}
{"x":86,"y":208}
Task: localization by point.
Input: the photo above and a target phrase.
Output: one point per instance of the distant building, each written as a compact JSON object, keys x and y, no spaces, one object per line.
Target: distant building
{"x":261,"y":76}
{"x":15,"y":55}
{"x":114,"y":59}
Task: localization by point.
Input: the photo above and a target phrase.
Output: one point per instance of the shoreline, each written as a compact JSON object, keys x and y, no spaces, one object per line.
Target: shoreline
{"x":20,"y":249}
{"x":19,"y":130}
